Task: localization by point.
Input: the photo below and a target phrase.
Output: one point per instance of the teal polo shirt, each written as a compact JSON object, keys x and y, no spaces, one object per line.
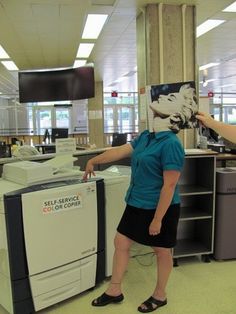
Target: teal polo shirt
{"x":153,"y":153}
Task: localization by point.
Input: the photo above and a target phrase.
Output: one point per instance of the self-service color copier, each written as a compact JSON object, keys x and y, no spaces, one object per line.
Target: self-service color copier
{"x":52,"y":242}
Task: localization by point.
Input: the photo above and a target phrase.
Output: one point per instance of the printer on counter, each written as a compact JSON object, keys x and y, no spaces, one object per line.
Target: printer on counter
{"x":213,"y":140}
{"x":220,"y":148}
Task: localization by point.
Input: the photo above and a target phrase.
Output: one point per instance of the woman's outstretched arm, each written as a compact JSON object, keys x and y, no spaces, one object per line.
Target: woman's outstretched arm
{"x":225,"y":130}
{"x":110,"y":155}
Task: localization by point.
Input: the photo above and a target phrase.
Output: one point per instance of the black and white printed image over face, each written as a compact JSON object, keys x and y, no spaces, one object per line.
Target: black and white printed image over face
{"x":173,"y":106}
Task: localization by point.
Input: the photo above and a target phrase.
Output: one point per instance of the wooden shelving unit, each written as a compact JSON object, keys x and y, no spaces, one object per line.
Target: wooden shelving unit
{"x":197,"y":190}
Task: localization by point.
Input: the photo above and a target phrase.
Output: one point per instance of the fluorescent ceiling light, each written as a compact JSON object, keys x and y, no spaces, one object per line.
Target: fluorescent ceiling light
{"x":205,"y":82}
{"x":79,"y":63}
{"x":3,"y":54}
{"x":94,"y":25}
{"x":230,"y":8}
{"x":0,"y":93}
{"x":130,"y":73}
{"x":120,"y":79}
{"x":227,"y":85}
{"x":208,"y":65}
{"x":10,"y":65}
{"x":211,"y":80}
{"x":84,"y":50}
{"x":207,"y":26}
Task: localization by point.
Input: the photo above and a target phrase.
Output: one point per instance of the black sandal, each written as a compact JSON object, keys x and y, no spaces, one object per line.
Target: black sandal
{"x":105,"y":299}
{"x":149,"y":305}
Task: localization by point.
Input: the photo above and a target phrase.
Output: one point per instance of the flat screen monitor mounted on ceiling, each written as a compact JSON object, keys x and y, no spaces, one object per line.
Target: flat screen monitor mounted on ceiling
{"x":56,"y":85}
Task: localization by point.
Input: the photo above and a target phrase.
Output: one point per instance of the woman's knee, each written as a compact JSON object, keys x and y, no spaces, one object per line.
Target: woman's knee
{"x":121,"y":242}
{"x":162,"y":252}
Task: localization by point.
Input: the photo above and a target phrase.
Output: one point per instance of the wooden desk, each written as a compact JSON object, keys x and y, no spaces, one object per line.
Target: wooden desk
{"x":223,"y":158}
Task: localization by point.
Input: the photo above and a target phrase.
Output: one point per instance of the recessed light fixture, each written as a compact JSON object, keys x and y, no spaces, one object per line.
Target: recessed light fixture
{"x":211,"y":80}
{"x":3,"y":54}
{"x":94,"y":25}
{"x":205,"y":82}
{"x":79,"y":63}
{"x":120,"y":79}
{"x":130,"y":73}
{"x":84,"y":50}
{"x":207,"y":26}
{"x":227,"y":85}
{"x":230,"y":8}
{"x":10,"y":65}
{"x":208,"y":65}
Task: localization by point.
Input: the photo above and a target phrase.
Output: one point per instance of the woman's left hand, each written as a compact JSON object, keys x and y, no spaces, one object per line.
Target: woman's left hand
{"x":155,"y":227}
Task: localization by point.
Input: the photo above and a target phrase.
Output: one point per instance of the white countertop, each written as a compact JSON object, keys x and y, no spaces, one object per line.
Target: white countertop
{"x":49,"y":156}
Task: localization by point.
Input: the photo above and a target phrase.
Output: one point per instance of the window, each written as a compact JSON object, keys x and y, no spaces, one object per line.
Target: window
{"x":121,"y":113}
{"x":42,"y":116}
{"x":62,"y":118}
{"x":47,"y":116}
{"x":223,"y":107}
{"x":44,"y":120}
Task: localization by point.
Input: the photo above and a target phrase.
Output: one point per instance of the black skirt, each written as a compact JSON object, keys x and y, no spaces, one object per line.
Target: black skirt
{"x":135,"y":223}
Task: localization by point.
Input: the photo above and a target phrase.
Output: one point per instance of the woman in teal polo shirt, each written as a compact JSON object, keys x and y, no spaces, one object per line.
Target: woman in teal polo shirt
{"x":153,"y":206}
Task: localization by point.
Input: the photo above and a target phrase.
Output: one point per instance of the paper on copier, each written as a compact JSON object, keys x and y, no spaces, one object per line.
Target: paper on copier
{"x":30,"y":172}
{"x":25,"y":172}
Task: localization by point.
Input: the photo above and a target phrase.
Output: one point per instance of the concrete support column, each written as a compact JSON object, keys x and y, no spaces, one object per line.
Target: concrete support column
{"x":166,"y":48}
{"x":96,"y":118}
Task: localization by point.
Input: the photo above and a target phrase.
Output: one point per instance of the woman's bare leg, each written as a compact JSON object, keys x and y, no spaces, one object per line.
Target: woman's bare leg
{"x":120,"y":263}
{"x":164,"y":267}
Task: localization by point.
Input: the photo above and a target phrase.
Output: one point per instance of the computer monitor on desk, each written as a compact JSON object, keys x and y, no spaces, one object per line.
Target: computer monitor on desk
{"x":58,"y":133}
{"x":119,"y":139}
{"x":5,"y":150}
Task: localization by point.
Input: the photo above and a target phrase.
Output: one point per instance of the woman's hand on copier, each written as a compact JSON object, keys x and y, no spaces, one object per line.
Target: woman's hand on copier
{"x":89,"y":170}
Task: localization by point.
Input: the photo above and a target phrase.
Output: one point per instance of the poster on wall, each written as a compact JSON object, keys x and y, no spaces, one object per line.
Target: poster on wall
{"x":172,"y":106}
